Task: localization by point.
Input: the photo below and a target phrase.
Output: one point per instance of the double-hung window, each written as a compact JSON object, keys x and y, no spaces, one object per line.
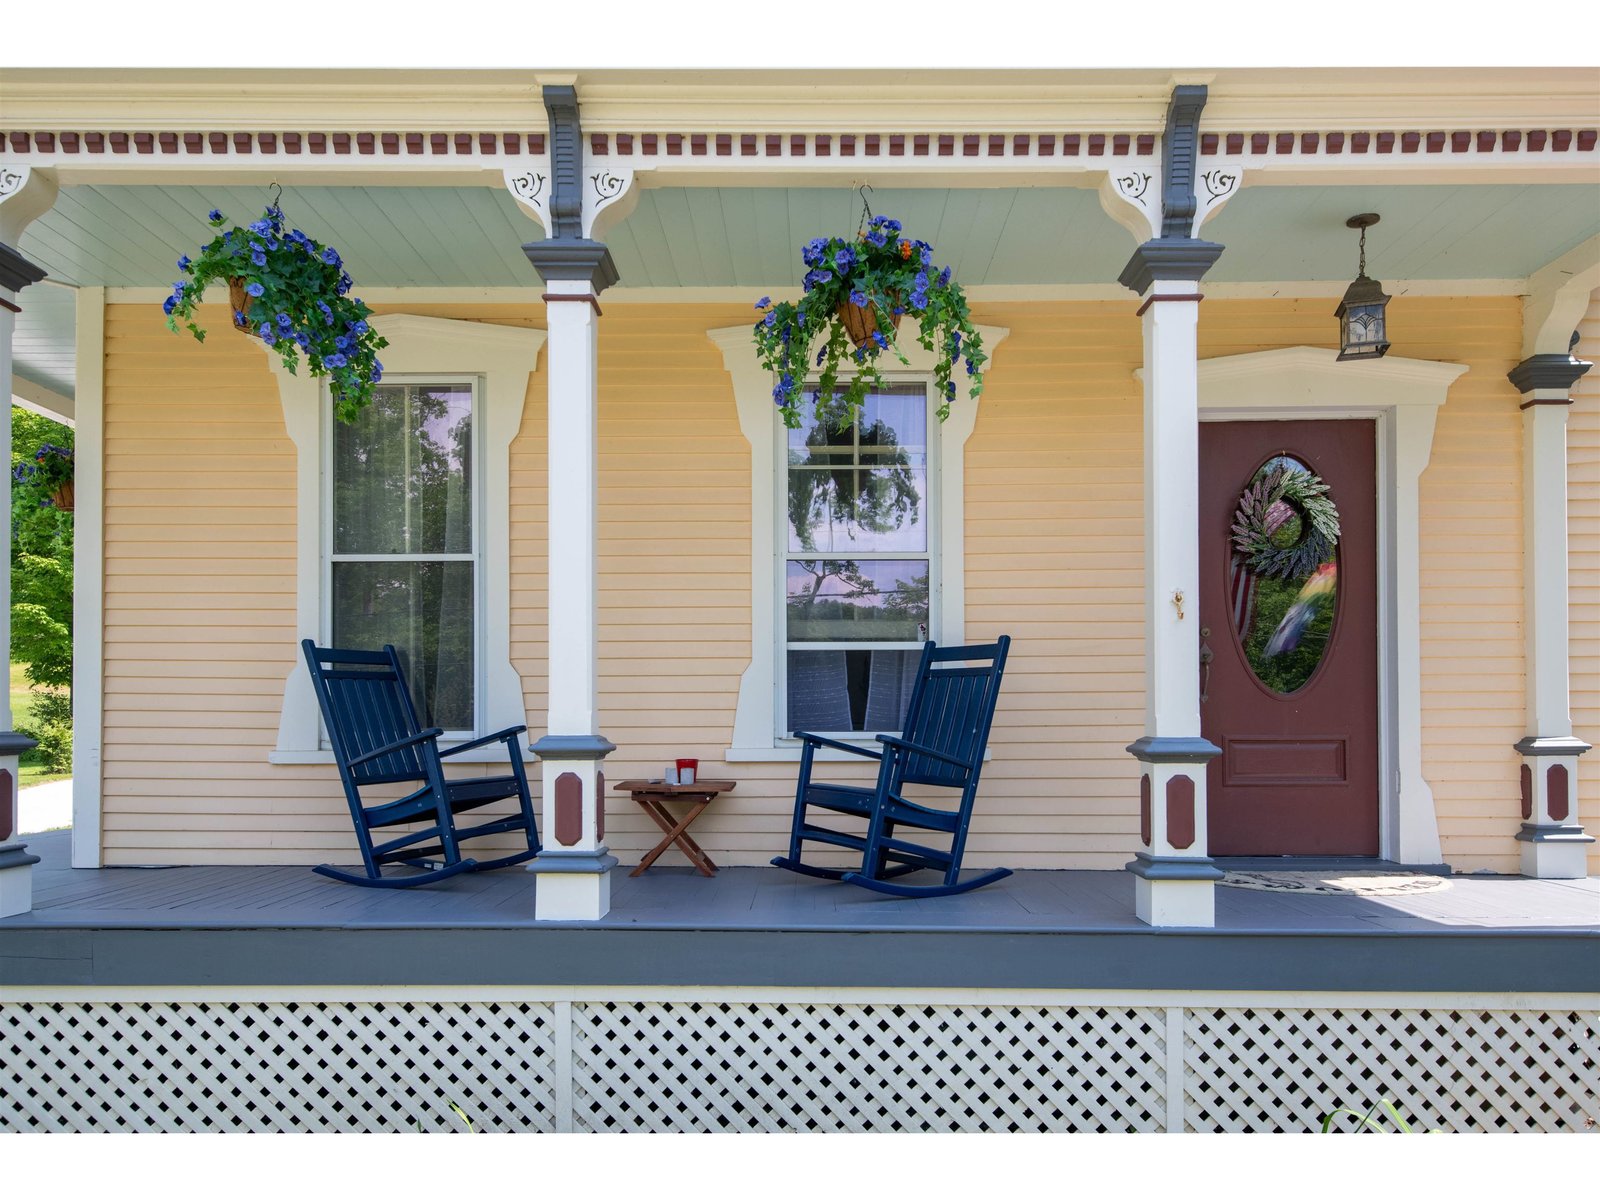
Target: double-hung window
{"x":858,"y":562}
{"x":404,"y":541}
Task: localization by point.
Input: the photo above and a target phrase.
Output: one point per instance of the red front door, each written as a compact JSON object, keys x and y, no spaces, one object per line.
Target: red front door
{"x":1289,"y":661}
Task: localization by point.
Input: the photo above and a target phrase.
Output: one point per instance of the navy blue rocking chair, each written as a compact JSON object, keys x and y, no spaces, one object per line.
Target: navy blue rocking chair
{"x":377,"y":739}
{"x":947,"y":728}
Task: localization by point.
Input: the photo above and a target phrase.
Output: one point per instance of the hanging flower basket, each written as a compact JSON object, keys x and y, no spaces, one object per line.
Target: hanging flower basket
{"x":240,"y":301}
{"x":293,"y":293}
{"x":856,"y":291}
{"x":860,"y":323}
{"x":50,"y":474}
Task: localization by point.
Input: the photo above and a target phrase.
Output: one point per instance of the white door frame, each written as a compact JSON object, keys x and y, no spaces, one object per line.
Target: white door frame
{"x":1402,"y":397}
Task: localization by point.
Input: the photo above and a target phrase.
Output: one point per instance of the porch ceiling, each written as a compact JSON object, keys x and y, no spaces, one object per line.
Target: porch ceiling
{"x":132,"y":235}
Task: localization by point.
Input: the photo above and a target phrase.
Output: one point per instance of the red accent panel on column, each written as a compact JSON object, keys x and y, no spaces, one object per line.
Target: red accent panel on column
{"x":600,"y":805}
{"x":1527,"y":792}
{"x":1180,"y":812}
{"x":1144,"y":809}
{"x":8,"y":806}
{"x":1555,"y":784}
{"x":569,"y":809}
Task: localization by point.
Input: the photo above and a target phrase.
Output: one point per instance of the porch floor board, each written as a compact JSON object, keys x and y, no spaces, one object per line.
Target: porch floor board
{"x":760,"y":925}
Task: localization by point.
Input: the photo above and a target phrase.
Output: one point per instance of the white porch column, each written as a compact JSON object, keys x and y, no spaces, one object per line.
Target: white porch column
{"x":574,"y":867}
{"x":1554,"y":845}
{"x":24,"y":195}
{"x":1175,"y":874}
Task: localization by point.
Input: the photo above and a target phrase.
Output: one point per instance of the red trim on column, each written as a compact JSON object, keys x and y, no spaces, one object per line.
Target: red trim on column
{"x":1144,"y":809}
{"x":1527,"y":404}
{"x":559,"y":297}
{"x":1180,"y":812}
{"x":1527,"y":792}
{"x":569,"y":809}
{"x":1555,"y":789}
{"x":1161,"y":297}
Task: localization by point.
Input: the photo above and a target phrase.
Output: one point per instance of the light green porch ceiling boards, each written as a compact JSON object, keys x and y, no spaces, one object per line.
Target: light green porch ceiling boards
{"x":43,"y":347}
{"x":1480,"y":231}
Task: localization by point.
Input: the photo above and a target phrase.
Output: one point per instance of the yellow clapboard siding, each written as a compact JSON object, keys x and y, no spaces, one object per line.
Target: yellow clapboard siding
{"x":201,"y":529}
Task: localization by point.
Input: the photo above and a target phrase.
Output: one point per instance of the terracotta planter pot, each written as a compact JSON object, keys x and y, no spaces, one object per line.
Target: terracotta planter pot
{"x":860,"y":323}
{"x":62,"y":498}
{"x":241,"y":301}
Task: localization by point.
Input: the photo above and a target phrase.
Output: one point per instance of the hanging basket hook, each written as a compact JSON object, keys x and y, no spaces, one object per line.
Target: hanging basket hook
{"x":277,"y":193}
{"x":866,"y":209}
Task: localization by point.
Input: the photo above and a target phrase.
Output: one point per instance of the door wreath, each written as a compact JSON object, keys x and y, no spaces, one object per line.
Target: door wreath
{"x":1254,"y":523}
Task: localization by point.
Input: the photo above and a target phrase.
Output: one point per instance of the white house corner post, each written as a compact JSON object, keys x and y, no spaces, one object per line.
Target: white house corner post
{"x":1553,"y":843}
{"x":1175,"y":877}
{"x":23,"y":195}
{"x":574,"y":866}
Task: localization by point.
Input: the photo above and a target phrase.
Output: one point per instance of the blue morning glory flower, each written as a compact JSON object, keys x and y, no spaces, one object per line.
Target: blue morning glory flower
{"x":215,"y":216}
{"x":821,"y":354}
{"x":239,"y":317}
{"x":944,"y":277}
{"x":183,"y":263}
{"x":950,"y":389}
{"x":877,"y":237}
{"x":335,"y":360}
{"x":970,"y":369}
{"x":302,"y":341}
{"x":811,"y":253}
{"x":343,"y":343}
{"x":261,"y":228}
{"x":892,"y":225}
{"x":843,"y":257}
{"x":170,"y":303}
{"x":955,"y":342}
{"x":920,"y":284}
{"x":861,"y":356}
{"x":283,"y":321}
{"x":858,"y":298}
{"x":177,"y":289}
{"x":258,"y":257}
{"x":254,"y":289}
{"x":919,"y":301}
{"x":267,"y":335}
{"x":359,"y":328}
{"x":770,"y":320}
{"x":330,"y":256}
{"x":926,"y":257}
{"x":763,"y":302}
{"x":879,"y":338}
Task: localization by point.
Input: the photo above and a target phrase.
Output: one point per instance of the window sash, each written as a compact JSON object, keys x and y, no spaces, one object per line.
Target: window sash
{"x":929,"y":449}
{"x":475,"y":384}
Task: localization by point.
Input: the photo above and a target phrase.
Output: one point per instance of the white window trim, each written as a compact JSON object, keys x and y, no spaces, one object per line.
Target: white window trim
{"x":504,"y":358}
{"x":1403,"y":396}
{"x":755,"y":720}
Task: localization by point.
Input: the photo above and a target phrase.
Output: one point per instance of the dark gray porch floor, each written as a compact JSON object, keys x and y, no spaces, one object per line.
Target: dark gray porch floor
{"x":752,"y":924}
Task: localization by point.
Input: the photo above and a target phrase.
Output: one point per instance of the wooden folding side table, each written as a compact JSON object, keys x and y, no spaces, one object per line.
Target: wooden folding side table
{"x":652,"y":795}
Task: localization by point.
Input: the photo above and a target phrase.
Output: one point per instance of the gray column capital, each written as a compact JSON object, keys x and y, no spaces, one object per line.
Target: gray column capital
{"x":1559,"y":371}
{"x":1168,"y":258}
{"x":17,"y":272}
{"x":572,"y":745}
{"x":573,"y":258}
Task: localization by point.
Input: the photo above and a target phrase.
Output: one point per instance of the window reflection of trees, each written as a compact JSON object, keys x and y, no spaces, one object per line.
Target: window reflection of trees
{"x":832,"y":483}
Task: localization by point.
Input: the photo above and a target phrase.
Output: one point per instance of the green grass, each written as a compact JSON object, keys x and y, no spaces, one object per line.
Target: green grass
{"x":21,"y":709}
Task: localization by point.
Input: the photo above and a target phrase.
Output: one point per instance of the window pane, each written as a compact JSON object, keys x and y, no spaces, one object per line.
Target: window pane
{"x":425,"y":609}
{"x":850,"y":691}
{"x":845,"y":600}
{"x":402,"y":474}
{"x":851,"y":508}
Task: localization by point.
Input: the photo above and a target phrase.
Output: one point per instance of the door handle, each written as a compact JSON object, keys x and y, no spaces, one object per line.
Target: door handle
{"x":1205,"y":665}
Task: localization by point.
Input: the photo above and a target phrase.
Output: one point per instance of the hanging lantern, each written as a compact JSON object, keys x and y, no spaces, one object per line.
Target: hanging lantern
{"x":1362,"y":331}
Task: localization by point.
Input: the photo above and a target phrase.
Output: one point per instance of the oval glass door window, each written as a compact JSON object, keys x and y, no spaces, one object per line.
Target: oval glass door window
{"x":1284,"y":625}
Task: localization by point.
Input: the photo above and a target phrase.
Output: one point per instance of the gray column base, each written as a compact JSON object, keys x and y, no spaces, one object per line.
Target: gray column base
{"x":1553,"y":833}
{"x":1174,"y":867}
{"x":1554,"y":851}
{"x":572,"y":862}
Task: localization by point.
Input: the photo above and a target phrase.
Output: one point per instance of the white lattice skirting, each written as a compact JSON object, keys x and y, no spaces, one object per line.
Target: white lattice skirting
{"x":733,"y":1059}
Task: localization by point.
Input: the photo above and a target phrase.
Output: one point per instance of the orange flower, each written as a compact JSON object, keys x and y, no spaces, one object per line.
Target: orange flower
{"x":905,"y":249}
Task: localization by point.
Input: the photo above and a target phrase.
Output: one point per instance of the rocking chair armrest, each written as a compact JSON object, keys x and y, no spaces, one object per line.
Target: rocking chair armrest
{"x":427,"y":735}
{"x":818,"y":740}
{"x":900,"y":743}
{"x":505,"y":735}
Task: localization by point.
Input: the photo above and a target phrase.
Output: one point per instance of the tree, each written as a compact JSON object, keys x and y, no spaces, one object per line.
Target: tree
{"x":41,"y":563}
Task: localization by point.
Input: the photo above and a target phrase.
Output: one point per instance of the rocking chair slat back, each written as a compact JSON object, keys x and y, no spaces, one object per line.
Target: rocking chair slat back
{"x":950,"y":710}
{"x":368,"y":706}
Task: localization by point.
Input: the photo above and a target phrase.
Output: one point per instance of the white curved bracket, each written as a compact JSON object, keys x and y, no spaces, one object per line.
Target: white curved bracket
{"x":25,"y":195}
{"x":1557,"y":297}
{"x":1131,"y":196}
{"x":1218,"y":183}
{"x":609,"y":195}
{"x":530,"y":188}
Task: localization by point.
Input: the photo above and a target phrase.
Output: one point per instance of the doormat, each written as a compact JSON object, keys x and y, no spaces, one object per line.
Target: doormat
{"x":1336,"y":883}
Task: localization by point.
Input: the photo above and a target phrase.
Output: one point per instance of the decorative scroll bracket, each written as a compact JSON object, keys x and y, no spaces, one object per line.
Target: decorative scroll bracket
{"x":1131,"y":196}
{"x":1215,"y":184}
{"x":530,"y":188}
{"x":609,"y":195}
{"x":25,"y":195}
